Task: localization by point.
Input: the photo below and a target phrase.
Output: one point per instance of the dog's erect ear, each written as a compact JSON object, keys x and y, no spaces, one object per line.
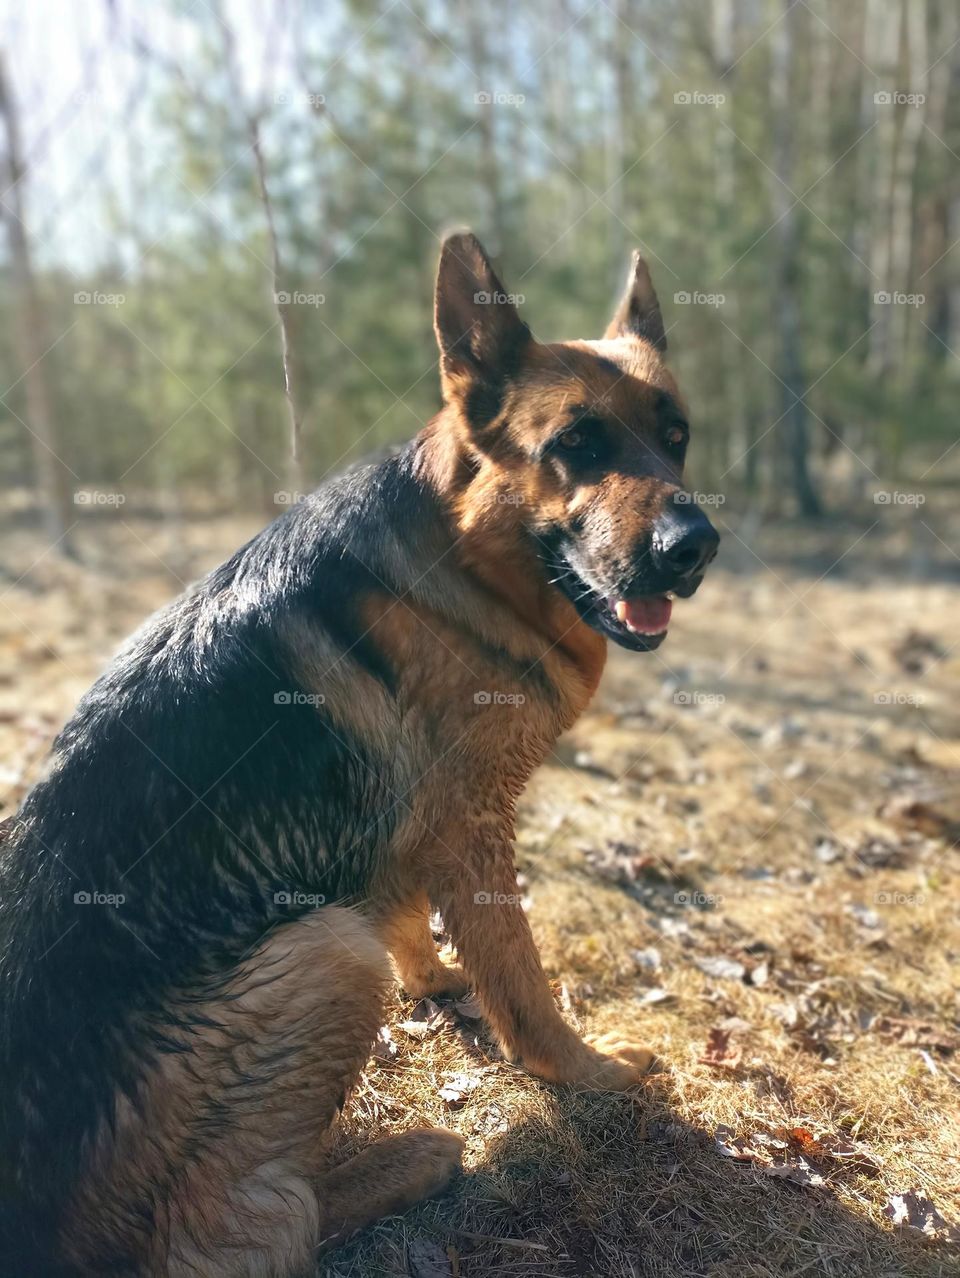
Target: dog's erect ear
{"x":479,"y":332}
{"x":638,"y":314}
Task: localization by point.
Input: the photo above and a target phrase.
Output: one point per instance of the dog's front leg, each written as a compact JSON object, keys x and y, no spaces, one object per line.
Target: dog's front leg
{"x":406,"y":933}
{"x":481,"y":909}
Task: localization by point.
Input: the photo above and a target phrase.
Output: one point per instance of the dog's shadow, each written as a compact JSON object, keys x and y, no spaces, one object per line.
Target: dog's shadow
{"x":617,"y":1186}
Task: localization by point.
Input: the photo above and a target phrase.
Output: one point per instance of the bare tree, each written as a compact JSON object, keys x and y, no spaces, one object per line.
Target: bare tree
{"x":786,"y":292}
{"x":31,"y":338}
{"x":281,"y":295}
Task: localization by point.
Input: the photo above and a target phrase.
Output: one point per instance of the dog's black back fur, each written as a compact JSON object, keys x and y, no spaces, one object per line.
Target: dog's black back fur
{"x":182,"y":784}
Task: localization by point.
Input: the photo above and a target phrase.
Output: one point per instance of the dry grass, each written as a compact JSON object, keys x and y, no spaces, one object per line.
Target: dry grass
{"x":726,"y":798}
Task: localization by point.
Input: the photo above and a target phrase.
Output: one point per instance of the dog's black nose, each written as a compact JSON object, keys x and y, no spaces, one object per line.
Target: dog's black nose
{"x":688,"y":542}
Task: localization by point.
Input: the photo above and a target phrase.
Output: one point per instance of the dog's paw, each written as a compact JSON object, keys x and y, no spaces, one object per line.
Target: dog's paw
{"x":616,"y":1063}
{"x":606,"y":1063}
{"x":446,"y":980}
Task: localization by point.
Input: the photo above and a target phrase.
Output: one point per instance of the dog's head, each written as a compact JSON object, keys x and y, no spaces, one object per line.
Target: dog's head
{"x":577,"y":446}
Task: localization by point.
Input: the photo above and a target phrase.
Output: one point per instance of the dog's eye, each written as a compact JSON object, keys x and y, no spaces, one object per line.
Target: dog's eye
{"x":572,"y":438}
{"x":677,"y":440}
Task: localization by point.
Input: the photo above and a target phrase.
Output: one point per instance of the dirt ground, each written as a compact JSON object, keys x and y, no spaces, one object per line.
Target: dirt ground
{"x":746,"y":854}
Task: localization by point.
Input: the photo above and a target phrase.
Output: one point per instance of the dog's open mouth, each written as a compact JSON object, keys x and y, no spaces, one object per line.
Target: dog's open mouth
{"x":639,"y":622}
{"x":647,"y":615}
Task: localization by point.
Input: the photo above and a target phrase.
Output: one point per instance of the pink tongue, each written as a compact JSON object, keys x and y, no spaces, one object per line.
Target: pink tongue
{"x":649,"y":616}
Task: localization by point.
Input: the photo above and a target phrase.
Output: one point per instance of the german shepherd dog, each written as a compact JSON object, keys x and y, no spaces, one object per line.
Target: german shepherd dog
{"x":264,"y":795}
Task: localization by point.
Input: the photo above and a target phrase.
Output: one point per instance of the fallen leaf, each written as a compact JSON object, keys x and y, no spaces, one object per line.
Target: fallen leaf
{"x":877,"y":854}
{"x":864,"y":915}
{"x":723,"y":968}
{"x":913,"y":1032}
{"x":648,"y":959}
{"x":425,"y":1019}
{"x":733,"y":1146}
{"x":826,"y":851}
{"x":384,"y":1048}
{"x":767,"y":1141}
{"x":760,"y":974}
{"x":916,"y":651}
{"x":657,"y":995}
{"x":459,"y":1087}
{"x":923,"y":813}
{"x":787,"y":1013}
{"x":798,"y":1173}
{"x":469,"y":1008}
{"x":427,"y":1259}
{"x":914,"y":1211}
{"x":719,"y":1054}
{"x":825,"y":1147}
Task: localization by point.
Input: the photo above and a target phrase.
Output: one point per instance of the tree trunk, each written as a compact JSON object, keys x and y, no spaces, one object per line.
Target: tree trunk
{"x":32,"y":343}
{"x":882,"y":50}
{"x":485,"y":66}
{"x":787,"y":265}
